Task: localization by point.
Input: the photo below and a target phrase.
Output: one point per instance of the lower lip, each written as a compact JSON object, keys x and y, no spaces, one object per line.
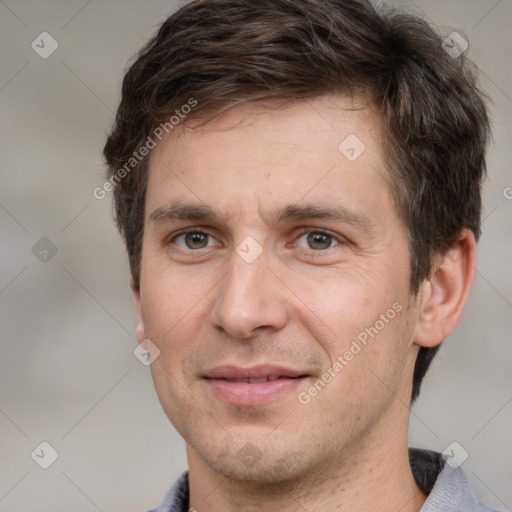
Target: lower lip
{"x":258,"y":393}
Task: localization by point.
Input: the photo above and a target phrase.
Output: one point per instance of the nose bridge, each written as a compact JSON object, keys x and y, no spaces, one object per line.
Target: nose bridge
{"x":249,"y":297}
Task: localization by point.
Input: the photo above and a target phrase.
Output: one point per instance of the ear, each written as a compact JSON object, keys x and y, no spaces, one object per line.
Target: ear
{"x":443,"y":296}
{"x":140,"y":332}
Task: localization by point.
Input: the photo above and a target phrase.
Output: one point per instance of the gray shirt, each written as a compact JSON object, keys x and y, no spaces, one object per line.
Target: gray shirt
{"x":446,"y":487}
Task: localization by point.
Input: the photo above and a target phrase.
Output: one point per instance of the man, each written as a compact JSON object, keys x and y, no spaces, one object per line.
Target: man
{"x":298,"y":186}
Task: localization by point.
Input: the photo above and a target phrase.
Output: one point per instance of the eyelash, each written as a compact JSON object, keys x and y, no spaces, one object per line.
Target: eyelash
{"x":304,"y":231}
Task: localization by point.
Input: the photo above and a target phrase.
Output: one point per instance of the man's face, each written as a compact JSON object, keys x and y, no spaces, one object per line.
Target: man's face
{"x":268,"y":288}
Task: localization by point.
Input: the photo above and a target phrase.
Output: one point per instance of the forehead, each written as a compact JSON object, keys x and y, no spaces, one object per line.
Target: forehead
{"x":265,"y":155}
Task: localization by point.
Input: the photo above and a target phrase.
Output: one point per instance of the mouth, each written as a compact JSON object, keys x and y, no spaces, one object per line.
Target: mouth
{"x":268,"y":378}
{"x":257,"y":385}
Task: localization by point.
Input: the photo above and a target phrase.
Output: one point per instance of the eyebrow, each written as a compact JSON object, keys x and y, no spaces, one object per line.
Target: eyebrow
{"x":201,"y":212}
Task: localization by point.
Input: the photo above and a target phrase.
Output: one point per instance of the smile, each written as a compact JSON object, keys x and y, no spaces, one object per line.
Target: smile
{"x":258,"y":385}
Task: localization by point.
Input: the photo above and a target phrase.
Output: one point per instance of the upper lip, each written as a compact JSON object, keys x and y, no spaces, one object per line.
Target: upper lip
{"x":253,"y":372}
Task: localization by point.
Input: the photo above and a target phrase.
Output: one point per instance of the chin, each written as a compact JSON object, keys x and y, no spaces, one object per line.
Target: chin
{"x":258,"y":461}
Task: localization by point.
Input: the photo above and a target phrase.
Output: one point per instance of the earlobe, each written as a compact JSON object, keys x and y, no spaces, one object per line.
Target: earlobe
{"x":140,"y":332}
{"x":444,"y":295}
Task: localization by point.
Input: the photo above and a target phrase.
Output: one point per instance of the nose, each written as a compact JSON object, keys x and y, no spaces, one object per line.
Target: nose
{"x":251,"y":299}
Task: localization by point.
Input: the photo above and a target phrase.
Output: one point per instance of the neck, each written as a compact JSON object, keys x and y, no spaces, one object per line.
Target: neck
{"x":373,"y":474}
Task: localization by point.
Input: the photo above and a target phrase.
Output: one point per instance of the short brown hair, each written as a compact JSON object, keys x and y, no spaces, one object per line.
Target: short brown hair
{"x":223,"y":52}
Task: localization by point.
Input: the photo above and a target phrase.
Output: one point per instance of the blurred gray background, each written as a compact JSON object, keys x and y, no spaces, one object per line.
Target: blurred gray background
{"x":68,"y":373}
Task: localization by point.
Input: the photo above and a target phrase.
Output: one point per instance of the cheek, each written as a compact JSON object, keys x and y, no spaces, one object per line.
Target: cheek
{"x":341,"y":304}
{"x":363,"y":329}
{"x":367,"y":352}
{"x":177,"y":399}
{"x":174,"y":313}
{"x":172,"y":299}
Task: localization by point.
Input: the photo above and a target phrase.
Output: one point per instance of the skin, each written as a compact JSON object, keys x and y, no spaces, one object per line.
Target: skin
{"x":300,"y":303}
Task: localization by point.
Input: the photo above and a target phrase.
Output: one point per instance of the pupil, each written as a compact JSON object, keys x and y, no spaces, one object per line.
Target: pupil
{"x":319,"y":239}
{"x":195,"y":240}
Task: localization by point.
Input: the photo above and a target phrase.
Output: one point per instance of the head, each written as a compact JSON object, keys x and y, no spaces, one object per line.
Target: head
{"x":245,"y":109}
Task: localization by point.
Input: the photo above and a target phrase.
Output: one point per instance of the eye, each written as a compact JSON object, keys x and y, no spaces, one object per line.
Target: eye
{"x":316,"y":240}
{"x":193,"y":240}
